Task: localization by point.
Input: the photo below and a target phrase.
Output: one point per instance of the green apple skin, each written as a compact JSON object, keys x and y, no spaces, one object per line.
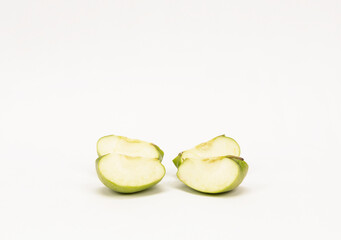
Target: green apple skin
{"x":177,"y":160}
{"x":123,"y":189}
{"x":161,"y":153}
{"x":243,"y":169}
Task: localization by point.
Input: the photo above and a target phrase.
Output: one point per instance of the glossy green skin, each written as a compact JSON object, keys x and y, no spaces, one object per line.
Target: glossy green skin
{"x":126,"y":189}
{"x":161,"y":153}
{"x":178,"y":160}
{"x":119,"y":188}
{"x":243,"y":169}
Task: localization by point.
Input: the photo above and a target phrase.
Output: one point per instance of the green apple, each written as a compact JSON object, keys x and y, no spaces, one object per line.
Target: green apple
{"x":213,"y":166}
{"x":128,"y":165}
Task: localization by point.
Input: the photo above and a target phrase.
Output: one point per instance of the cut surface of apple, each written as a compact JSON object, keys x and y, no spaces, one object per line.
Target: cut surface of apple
{"x":213,"y":166}
{"x":213,"y":175}
{"x":216,"y":147}
{"x":127,"y":146}
{"x":128,"y":165}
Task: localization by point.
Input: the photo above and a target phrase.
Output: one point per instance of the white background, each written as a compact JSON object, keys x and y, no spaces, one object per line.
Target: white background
{"x":175,"y":73}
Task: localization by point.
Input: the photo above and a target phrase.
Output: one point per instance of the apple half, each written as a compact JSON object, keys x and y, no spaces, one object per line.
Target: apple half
{"x":213,"y":166}
{"x":128,"y":165}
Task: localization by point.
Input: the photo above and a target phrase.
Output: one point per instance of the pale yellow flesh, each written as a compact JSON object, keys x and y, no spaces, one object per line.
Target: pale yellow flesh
{"x":126,"y":146}
{"x":208,"y":175}
{"x":131,"y":171}
{"x":220,"y":146}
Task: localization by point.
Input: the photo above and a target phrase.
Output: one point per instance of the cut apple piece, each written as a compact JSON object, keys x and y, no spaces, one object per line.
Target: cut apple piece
{"x":128,"y":174}
{"x":216,"y":147}
{"x":213,"y":175}
{"x":213,"y":166}
{"x":128,"y":146}
{"x":128,"y":165}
